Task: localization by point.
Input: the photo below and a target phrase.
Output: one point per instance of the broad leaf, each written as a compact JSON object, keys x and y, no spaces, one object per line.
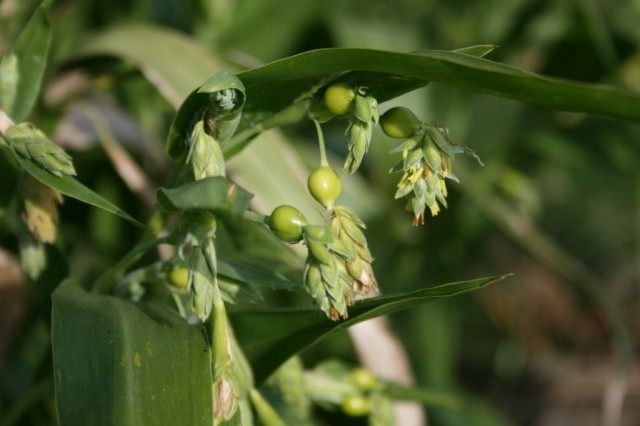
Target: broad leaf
{"x":212,"y":193}
{"x":270,"y":337}
{"x":31,"y":49}
{"x":71,"y":187}
{"x":121,"y":363}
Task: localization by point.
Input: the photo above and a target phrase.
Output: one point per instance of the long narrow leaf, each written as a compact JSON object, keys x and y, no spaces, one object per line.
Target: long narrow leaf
{"x":71,"y":187}
{"x":31,"y":51}
{"x":270,"y":337}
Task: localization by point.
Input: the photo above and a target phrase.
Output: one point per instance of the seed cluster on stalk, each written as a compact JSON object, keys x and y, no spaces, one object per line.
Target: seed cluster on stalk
{"x":32,"y":144}
{"x":325,"y":274}
{"x":361,"y":109}
{"x":348,"y":228}
{"x":427,"y":155}
{"x":364,"y":118}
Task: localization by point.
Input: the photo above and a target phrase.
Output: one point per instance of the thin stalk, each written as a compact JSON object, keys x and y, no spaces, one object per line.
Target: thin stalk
{"x":255,"y":216}
{"x":268,"y":415}
{"x":323,"y":151}
{"x":104,"y":284}
{"x":179,"y":304}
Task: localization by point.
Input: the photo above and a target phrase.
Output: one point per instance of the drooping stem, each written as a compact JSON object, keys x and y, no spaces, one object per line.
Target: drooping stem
{"x":323,"y":151}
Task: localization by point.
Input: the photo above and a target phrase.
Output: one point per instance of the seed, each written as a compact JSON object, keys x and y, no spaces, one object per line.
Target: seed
{"x":325,"y":186}
{"x":363,"y":379}
{"x":287,"y":222}
{"x":179,"y":277}
{"x":338,"y":98}
{"x":399,"y":123}
{"x":356,"y":405}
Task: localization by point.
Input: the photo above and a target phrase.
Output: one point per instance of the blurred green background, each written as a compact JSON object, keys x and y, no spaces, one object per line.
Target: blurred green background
{"x":557,"y":202}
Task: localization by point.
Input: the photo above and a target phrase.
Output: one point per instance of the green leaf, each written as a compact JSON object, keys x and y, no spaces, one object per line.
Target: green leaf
{"x":390,"y":74}
{"x":307,"y":73}
{"x":429,"y":397}
{"x":387,"y":75}
{"x":270,"y":337}
{"x":212,"y":193}
{"x":31,"y":49}
{"x":71,"y":187}
{"x":8,"y":81}
{"x":252,"y":273}
{"x":122,"y":363}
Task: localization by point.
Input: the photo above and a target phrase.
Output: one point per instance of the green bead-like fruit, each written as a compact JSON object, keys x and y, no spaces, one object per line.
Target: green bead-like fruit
{"x":338,"y":98}
{"x":325,"y":186}
{"x":363,"y":379}
{"x":356,"y":406}
{"x":399,"y":123}
{"x":287,"y":222}
{"x":179,"y":277}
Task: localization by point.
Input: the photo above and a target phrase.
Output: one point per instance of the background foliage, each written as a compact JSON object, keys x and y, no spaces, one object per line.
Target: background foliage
{"x":556,"y":203}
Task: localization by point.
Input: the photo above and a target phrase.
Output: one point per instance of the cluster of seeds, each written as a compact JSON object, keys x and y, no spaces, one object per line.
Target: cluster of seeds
{"x":362,"y":112}
{"x":338,"y":268}
{"x":427,"y":155}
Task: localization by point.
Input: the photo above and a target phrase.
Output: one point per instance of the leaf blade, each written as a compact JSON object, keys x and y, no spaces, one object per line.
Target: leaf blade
{"x":31,"y":49}
{"x":119,"y":362}
{"x":211,"y":193}
{"x":302,"y":71}
{"x":71,"y":187}
{"x":270,"y":337}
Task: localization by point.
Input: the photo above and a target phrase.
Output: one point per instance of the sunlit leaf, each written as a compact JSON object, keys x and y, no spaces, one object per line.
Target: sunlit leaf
{"x":212,"y":193}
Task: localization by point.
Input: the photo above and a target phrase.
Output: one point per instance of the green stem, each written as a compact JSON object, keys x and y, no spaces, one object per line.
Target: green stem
{"x":431,"y":398}
{"x":265,"y":411}
{"x":218,"y":327}
{"x":179,"y":305}
{"x":323,"y":151}
{"x":255,"y":216}
{"x":104,"y":284}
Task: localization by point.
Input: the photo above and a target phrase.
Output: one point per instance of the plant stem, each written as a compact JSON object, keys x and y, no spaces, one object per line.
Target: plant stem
{"x":265,"y":411}
{"x":105,"y":283}
{"x":254,"y":216}
{"x":179,"y":305}
{"x":323,"y":151}
{"x":429,"y":397}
